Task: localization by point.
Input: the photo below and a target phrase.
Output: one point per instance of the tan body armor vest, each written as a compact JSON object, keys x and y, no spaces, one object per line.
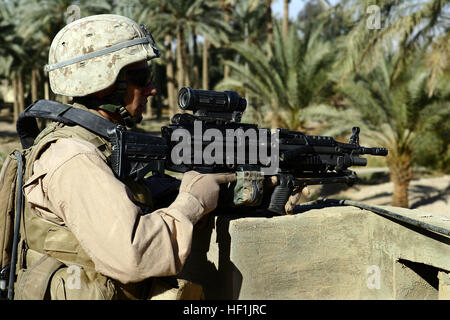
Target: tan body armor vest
{"x":51,"y":262}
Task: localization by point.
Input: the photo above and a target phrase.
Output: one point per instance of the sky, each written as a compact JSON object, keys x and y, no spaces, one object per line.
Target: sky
{"x":294,"y":7}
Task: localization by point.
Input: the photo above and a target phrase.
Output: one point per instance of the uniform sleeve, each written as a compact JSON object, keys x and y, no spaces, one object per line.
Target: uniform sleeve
{"x":123,"y":244}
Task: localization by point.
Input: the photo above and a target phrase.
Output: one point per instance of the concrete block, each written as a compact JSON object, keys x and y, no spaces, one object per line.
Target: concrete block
{"x":329,"y":253}
{"x":444,"y":285}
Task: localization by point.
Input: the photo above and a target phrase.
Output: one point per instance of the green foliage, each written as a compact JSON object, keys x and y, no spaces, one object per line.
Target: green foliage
{"x":393,"y":82}
{"x":399,"y":115}
{"x":12,"y":53}
{"x":405,"y":26}
{"x":293,"y":76}
{"x":433,"y":151}
{"x":166,"y":17}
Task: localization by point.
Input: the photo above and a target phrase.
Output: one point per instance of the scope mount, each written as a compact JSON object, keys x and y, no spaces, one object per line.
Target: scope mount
{"x":218,"y":118}
{"x":226,"y":117}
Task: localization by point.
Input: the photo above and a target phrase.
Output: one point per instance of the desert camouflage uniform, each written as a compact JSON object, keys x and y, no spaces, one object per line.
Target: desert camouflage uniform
{"x":84,"y":236}
{"x":78,"y":213}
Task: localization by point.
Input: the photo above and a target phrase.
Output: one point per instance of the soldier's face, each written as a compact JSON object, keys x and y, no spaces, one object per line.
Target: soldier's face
{"x":137,"y":95}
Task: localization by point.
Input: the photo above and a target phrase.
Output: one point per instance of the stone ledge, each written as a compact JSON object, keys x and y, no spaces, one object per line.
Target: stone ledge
{"x":329,"y":253}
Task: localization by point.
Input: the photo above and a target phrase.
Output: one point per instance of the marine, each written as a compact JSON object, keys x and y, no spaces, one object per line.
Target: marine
{"x":80,"y":220}
{"x":85,"y":233}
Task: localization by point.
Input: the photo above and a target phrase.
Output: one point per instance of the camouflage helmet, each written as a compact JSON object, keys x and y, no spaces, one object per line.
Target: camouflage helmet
{"x":87,"y":55}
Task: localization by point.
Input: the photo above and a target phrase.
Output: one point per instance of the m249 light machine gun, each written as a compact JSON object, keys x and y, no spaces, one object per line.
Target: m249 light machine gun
{"x":213,"y":140}
{"x":297,"y":159}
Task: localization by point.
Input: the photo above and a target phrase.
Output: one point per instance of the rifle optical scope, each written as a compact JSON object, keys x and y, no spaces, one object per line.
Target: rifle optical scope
{"x":209,"y":100}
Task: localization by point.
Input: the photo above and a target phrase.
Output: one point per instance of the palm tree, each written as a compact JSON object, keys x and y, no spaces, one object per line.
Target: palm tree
{"x":46,"y":17}
{"x":12,"y":55}
{"x":254,"y":15}
{"x":41,"y":20}
{"x":285,"y":17}
{"x":226,"y":6}
{"x":39,"y":23}
{"x":404,"y":26}
{"x":269,"y":27}
{"x":246,"y":18}
{"x":183,"y":20}
{"x":392,"y":113}
{"x":89,"y":8}
{"x":296,"y":75}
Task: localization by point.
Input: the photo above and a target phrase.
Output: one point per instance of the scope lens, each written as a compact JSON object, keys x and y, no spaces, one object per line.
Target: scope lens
{"x":183,"y":98}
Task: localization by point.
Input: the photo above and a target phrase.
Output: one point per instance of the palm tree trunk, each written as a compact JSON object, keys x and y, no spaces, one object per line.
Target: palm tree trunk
{"x":34,"y":93}
{"x":41,"y":121}
{"x":205,"y":77}
{"x":195,"y":67}
{"x":171,"y":93}
{"x":226,"y":71}
{"x":275,"y":117}
{"x":400,"y":171}
{"x":269,"y":27}
{"x":157,"y":100}
{"x":180,"y":67}
{"x":34,"y":90}
{"x":148,"y":108}
{"x":285,"y":18}
{"x":16,"y":102}
{"x":20,"y":93}
{"x":186,"y":63}
{"x":227,"y":8}
{"x":400,"y":196}
{"x":46,"y":90}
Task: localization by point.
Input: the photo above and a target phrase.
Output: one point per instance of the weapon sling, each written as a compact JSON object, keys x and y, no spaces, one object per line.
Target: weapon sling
{"x":18,"y":214}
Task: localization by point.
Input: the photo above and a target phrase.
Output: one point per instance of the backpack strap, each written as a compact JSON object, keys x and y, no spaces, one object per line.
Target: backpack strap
{"x":28,"y":130}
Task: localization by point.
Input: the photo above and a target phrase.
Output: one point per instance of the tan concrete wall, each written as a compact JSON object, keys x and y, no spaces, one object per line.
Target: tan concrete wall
{"x":330,"y":253}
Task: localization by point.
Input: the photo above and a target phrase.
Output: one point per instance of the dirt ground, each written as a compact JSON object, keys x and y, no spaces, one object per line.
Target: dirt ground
{"x":429,"y":194}
{"x":8,"y":136}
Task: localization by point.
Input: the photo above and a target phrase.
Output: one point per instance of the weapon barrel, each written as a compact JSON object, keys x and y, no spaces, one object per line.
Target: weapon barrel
{"x":374,"y":151}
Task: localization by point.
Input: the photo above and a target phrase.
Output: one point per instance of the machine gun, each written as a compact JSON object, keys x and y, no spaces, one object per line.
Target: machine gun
{"x":296,"y":158}
{"x":213,"y":139}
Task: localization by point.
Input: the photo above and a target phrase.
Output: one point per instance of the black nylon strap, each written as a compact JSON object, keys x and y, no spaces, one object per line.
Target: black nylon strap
{"x":28,"y":130}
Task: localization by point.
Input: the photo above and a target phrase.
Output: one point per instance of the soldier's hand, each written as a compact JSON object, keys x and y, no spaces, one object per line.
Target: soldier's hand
{"x":205,"y":187}
{"x":294,"y":199}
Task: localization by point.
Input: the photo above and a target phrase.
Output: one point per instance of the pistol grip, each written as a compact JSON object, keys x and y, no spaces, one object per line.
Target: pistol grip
{"x":280,"y":195}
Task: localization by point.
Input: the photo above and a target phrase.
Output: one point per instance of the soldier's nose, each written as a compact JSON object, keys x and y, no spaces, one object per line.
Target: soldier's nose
{"x":150,"y":90}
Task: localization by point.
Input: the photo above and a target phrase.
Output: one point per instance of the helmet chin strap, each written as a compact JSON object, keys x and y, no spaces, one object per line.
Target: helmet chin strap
{"x":114,"y":103}
{"x":129,"y":120}
{"x":117,"y":99}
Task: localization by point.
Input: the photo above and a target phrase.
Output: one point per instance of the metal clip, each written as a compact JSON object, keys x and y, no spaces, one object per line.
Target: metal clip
{"x":150,"y":40}
{"x":4,"y":278}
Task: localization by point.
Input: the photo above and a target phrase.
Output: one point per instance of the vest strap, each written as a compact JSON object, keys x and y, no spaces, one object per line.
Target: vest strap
{"x":28,"y":130}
